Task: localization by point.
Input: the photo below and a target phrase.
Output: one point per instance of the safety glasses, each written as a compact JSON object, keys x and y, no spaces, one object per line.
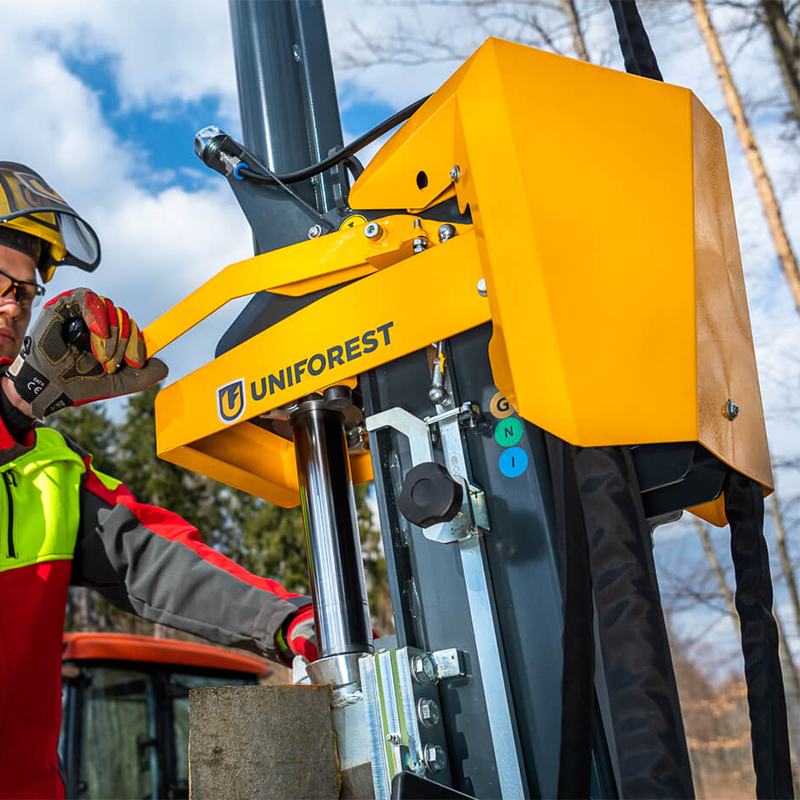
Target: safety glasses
{"x":27,"y":293}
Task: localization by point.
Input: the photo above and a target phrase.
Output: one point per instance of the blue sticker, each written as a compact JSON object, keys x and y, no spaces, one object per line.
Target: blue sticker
{"x":513,"y":462}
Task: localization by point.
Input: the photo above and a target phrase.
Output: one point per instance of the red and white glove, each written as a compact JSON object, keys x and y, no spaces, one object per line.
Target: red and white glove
{"x":301,"y":635}
{"x":50,"y":373}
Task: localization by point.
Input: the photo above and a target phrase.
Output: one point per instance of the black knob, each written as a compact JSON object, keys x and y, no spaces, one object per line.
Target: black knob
{"x":429,"y":495}
{"x":76,"y":333}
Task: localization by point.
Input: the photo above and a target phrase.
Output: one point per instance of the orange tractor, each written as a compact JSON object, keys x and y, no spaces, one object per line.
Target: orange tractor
{"x":125,"y":727}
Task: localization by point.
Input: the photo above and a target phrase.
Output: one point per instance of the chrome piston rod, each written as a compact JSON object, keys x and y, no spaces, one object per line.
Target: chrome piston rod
{"x":330,"y":519}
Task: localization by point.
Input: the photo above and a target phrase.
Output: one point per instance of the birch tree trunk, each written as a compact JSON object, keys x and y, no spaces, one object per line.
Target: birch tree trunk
{"x":573,"y":20}
{"x":764,"y":186}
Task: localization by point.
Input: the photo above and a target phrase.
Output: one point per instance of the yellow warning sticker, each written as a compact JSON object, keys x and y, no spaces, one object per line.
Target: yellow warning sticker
{"x":500,"y":407}
{"x":353,"y":221}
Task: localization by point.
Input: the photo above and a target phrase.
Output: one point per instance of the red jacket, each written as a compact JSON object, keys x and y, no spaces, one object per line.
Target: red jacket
{"x":61,"y":523}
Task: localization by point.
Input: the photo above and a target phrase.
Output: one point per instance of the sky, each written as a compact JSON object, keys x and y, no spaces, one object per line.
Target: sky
{"x":103,"y":99}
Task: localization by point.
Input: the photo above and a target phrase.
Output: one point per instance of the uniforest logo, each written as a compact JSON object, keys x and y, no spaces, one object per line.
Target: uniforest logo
{"x":231,"y":399}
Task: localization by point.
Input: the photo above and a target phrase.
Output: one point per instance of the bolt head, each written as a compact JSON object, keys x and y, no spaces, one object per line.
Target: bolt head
{"x":420,"y":244}
{"x":482,"y":287}
{"x":314,"y":231}
{"x":393,"y":738}
{"x":435,"y":757}
{"x":731,"y":410}
{"x":423,"y":669}
{"x":428,"y":712}
{"x":372,"y":230}
{"x":455,"y":173}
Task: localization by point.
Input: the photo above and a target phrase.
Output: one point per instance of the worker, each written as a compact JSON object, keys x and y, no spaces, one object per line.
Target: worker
{"x":65,"y":522}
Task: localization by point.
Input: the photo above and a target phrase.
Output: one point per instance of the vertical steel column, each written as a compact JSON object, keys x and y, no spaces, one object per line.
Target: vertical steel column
{"x":331,"y":525}
{"x":287,"y":95}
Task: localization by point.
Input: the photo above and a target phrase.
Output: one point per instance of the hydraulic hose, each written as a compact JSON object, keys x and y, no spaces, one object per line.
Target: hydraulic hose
{"x":344,"y":154}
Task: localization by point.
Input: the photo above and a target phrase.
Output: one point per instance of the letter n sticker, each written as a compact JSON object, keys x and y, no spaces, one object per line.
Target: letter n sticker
{"x":231,"y":401}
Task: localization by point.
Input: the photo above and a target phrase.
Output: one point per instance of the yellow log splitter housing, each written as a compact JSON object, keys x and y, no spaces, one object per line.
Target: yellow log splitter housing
{"x":603,"y":227}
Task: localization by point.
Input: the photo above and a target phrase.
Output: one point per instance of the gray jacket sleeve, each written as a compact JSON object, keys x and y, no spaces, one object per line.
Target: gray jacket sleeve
{"x":153,"y":563}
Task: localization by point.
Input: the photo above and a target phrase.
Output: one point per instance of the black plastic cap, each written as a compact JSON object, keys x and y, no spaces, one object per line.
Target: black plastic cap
{"x":429,"y":495}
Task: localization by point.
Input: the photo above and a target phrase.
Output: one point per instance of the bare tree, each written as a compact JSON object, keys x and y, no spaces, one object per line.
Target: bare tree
{"x":557,"y":25}
{"x":776,"y":16}
{"x":786,"y":562}
{"x":791,"y":679}
{"x":744,"y":131}
{"x":780,"y":20}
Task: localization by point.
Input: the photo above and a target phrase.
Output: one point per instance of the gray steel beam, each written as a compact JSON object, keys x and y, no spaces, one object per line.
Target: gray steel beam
{"x":287,"y":94}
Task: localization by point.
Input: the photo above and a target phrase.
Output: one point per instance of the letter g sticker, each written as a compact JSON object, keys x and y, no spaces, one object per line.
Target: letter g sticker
{"x":231,"y":401}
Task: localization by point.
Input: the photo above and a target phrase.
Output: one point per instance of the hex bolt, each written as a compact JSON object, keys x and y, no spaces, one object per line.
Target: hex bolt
{"x":314,"y":231}
{"x":372,"y":230}
{"x":420,"y":244}
{"x":296,"y":53}
{"x":423,"y":669}
{"x":435,"y":758}
{"x":482,"y":287}
{"x":393,"y":738}
{"x":428,"y":712}
{"x":446,"y":231}
{"x":731,"y":410}
{"x":455,"y":173}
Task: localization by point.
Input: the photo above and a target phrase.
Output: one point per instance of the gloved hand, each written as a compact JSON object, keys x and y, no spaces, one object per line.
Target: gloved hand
{"x":301,"y":636}
{"x":51,"y":374}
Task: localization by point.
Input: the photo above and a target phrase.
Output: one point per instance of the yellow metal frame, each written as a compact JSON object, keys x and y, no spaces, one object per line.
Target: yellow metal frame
{"x":603,"y":226}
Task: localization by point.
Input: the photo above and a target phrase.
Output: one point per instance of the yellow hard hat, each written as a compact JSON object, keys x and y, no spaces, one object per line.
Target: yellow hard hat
{"x":37,"y":221}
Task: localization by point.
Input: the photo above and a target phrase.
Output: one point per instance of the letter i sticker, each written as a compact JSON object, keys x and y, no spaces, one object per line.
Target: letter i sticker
{"x":513,"y":462}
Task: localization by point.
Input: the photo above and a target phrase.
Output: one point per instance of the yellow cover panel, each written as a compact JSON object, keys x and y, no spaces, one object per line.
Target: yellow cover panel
{"x":604,"y":229}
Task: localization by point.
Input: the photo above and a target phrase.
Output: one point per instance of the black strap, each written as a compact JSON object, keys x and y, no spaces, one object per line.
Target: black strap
{"x":642,"y":693}
{"x":599,"y":510}
{"x":577,"y":673}
{"x":744,"y":507}
{"x":633,"y":41}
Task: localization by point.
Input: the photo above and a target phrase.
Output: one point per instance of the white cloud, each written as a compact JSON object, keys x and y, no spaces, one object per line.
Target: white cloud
{"x":161,"y":51}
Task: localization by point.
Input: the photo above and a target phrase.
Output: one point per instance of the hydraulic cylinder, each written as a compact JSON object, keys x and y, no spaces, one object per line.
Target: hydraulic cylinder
{"x":330,"y":519}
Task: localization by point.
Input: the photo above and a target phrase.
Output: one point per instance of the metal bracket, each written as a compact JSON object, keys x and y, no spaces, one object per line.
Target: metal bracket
{"x":473,"y":517}
{"x":448,"y":663}
{"x":403,"y":716}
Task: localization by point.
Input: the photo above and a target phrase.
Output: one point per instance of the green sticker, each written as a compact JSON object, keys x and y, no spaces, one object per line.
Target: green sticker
{"x":508,"y":432}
